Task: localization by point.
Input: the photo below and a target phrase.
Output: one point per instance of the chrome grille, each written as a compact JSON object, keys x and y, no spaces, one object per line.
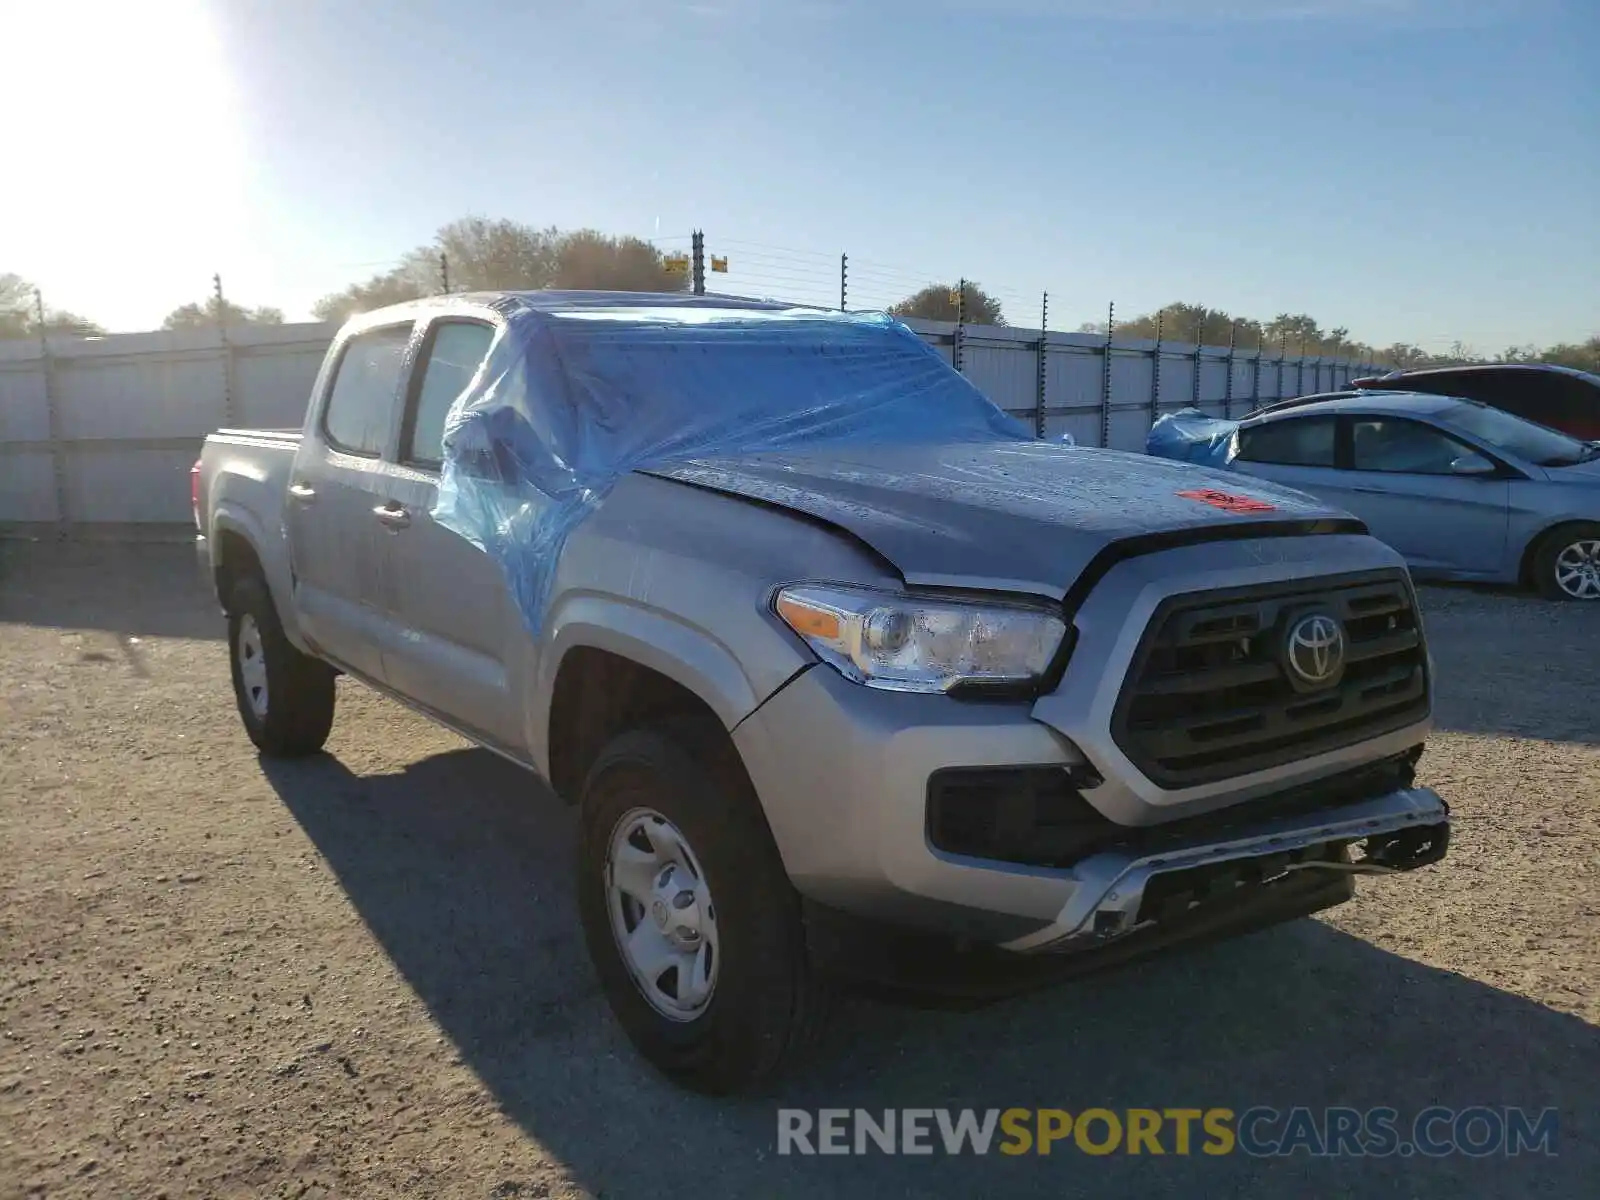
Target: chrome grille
{"x":1211,"y":694}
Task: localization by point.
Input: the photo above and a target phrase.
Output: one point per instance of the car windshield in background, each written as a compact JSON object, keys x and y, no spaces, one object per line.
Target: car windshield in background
{"x":1535,"y":443}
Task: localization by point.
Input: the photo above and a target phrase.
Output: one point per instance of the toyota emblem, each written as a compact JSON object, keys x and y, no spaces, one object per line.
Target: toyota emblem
{"x":1315,"y":650}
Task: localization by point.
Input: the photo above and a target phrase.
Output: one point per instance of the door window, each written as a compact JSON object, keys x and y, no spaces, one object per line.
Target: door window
{"x":365,"y":387}
{"x":1409,"y":447}
{"x":456,"y":350}
{"x":1297,"y":442}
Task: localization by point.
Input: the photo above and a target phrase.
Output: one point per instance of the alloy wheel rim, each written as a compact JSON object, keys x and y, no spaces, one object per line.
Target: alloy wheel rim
{"x":1578,"y":569}
{"x":252,"y":665}
{"x":662,"y":914}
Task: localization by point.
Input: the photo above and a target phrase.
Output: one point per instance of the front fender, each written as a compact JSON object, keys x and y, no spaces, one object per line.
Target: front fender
{"x":687,"y":654}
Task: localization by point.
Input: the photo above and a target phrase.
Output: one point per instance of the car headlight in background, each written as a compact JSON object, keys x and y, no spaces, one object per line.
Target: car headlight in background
{"x":913,"y":644}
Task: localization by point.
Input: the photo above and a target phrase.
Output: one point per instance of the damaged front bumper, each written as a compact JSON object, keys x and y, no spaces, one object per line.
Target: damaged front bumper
{"x":1118,"y":894}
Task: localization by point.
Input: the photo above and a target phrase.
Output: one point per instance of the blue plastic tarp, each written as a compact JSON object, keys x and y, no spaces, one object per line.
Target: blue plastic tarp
{"x":1190,"y":436}
{"x":573,"y":396}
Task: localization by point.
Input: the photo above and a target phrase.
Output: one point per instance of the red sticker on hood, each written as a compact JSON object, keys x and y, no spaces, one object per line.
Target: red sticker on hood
{"x":1227,"y":501}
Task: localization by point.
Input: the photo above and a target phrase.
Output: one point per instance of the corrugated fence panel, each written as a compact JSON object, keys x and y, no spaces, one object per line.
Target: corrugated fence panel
{"x":150,"y":396}
{"x":273,"y":384}
{"x":114,"y":485}
{"x":1073,"y":378}
{"x":1008,"y":373}
{"x":23,"y":416}
{"x":27,"y":486}
{"x":1213,"y":379}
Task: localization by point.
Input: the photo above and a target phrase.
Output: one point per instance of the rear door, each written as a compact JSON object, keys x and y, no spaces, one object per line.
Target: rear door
{"x":338,"y":479}
{"x":455,"y":625}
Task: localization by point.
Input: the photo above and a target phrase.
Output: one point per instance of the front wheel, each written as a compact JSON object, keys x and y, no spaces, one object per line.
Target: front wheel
{"x":1567,"y":565}
{"x":285,"y":698}
{"x":690,"y":919}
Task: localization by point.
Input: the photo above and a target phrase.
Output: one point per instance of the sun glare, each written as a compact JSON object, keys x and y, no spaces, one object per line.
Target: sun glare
{"x":124,"y":153}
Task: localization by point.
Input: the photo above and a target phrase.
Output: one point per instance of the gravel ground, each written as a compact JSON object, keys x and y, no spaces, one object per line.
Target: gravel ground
{"x":361,"y":975}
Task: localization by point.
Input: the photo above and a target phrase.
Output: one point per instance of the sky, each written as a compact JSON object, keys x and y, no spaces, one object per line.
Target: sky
{"x":1414,"y":170}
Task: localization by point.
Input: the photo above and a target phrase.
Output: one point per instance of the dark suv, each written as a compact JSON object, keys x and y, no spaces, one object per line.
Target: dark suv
{"x":1560,"y":397}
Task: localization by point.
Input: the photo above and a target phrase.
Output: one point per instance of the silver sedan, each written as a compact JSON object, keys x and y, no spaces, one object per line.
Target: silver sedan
{"x":1462,"y":490}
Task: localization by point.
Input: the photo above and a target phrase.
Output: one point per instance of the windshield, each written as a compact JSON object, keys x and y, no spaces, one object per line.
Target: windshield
{"x":1524,"y":439}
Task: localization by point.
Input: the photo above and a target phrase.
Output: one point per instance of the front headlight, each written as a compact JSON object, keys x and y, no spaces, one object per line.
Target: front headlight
{"x":911,"y":644}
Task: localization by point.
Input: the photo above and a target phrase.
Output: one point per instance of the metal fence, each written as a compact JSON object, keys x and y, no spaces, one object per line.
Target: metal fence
{"x":102,"y":431}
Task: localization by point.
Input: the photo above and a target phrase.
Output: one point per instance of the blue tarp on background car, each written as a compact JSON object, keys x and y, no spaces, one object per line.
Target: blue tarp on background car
{"x":575,"y":394}
{"x":1190,"y":436}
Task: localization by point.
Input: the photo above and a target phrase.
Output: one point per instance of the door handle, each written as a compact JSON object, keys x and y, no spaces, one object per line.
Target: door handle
{"x":1370,"y":491}
{"x":395,"y":516}
{"x":302,"y":492}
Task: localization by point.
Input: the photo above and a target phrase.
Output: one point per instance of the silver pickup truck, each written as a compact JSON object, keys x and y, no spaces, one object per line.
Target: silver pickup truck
{"x":963,"y":711}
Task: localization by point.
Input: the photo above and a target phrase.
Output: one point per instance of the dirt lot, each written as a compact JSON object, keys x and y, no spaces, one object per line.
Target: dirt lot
{"x":361,"y":975}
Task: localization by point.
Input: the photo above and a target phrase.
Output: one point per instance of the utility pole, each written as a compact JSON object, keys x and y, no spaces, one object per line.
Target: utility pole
{"x":961,"y":320}
{"x":698,"y":250}
{"x":1227,"y":395}
{"x":844,"y":274}
{"x":1043,"y":366}
{"x":444,"y":272}
{"x":1155,"y":371}
{"x":229,"y":407}
{"x":1199,"y":357}
{"x":1105,"y":375}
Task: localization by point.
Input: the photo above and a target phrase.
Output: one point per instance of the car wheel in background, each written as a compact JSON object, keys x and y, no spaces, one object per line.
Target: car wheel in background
{"x":1567,"y":563}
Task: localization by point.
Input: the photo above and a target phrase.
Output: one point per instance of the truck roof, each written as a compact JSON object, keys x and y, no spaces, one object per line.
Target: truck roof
{"x":555,"y":301}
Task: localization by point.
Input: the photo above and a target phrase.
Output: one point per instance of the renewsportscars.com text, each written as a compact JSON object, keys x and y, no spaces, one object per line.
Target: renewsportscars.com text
{"x":1479,"y":1131}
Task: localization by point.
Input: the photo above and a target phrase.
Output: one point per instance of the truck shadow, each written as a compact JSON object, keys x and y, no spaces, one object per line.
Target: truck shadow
{"x":126,"y":588}
{"x":461,"y":867}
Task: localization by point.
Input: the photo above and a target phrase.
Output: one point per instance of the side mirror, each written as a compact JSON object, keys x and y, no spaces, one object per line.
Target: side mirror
{"x":1472,"y":464}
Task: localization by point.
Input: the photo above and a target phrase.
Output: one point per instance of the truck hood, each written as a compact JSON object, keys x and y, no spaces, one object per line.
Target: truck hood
{"x":1014,"y":516}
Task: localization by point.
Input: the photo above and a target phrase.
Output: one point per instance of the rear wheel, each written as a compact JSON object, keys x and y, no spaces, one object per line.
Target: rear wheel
{"x":690,"y":919}
{"x":285,"y":698}
{"x":1567,"y":564}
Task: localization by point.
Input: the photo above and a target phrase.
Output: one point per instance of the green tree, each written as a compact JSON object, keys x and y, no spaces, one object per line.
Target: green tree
{"x":1583,"y":356}
{"x":937,"y":302}
{"x":589,"y":260}
{"x":19,"y":313}
{"x":483,"y":254}
{"x":213,"y":312}
{"x":380,"y":291}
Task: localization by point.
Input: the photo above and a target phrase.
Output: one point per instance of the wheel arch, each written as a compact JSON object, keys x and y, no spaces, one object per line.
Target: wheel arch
{"x":1537,"y":543}
{"x":609,"y":665}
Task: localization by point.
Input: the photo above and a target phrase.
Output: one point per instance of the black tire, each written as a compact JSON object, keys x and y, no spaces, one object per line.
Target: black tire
{"x":1551,"y":547}
{"x":294,"y":716}
{"x":767,"y":998}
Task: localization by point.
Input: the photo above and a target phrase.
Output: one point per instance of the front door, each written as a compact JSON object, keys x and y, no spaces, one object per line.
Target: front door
{"x":1439,"y":502}
{"x":455,"y":623}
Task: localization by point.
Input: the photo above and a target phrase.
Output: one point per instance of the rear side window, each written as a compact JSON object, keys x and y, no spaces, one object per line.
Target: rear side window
{"x":455,"y":351}
{"x":1299,"y":442}
{"x":365,"y":387}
